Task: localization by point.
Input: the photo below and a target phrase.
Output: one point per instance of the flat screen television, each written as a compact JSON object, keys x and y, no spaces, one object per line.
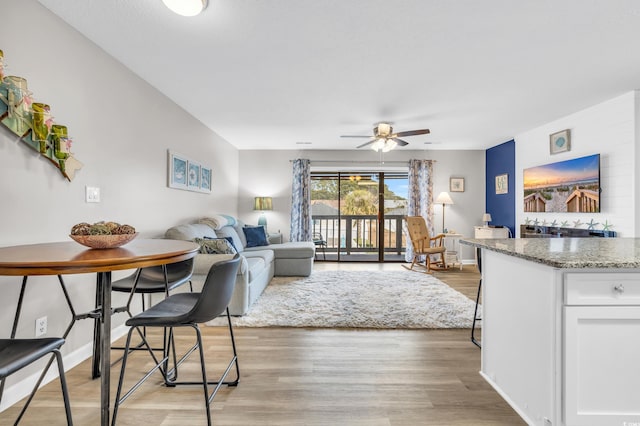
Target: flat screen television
{"x":571,"y":186}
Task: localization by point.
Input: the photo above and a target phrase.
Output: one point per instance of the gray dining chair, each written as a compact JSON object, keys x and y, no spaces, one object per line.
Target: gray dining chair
{"x":152,"y":280}
{"x":186,"y":310}
{"x":16,"y":354}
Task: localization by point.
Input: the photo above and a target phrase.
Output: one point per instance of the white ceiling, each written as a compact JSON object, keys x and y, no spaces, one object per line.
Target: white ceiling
{"x":273,"y":73}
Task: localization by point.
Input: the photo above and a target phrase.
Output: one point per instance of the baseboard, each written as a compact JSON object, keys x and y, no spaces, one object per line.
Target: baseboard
{"x":507,"y":399}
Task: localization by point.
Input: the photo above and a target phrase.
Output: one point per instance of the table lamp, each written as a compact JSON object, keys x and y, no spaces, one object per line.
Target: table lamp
{"x":263,"y":204}
{"x":486,"y":218}
{"x":443,"y":198}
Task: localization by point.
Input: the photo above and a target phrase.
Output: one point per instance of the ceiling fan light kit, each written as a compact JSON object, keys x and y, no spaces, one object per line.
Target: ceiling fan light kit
{"x":384,"y":145}
{"x":384,"y":139}
{"x":186,"y":7}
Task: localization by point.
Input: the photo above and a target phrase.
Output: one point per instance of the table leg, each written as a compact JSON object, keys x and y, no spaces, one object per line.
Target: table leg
{"x":95,"y":361}
{"x":104,"y":279}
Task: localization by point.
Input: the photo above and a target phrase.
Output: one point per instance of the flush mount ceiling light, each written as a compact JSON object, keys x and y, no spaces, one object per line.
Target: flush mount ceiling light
{"x":186,"y":7}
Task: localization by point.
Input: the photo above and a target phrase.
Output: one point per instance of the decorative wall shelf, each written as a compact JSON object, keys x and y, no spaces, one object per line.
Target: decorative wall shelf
{"x":33,"y":123}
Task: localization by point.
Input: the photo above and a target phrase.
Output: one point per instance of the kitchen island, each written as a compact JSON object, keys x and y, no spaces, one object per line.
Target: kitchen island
{"x":561,"y":328}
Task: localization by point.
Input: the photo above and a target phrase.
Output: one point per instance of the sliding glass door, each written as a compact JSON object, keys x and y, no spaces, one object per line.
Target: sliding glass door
{"x":395,"y":202}
{"x":358,"y":216}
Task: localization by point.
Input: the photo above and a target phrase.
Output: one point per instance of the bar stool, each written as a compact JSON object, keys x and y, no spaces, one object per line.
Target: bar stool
{"x":15,"y":354}
{"x":153,"y":280}
{"x":475,"y":312}
{"x":187,"y":310}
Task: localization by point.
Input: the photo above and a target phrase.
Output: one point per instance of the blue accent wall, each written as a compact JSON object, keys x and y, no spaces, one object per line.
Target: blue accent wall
{"x":499,"y":160}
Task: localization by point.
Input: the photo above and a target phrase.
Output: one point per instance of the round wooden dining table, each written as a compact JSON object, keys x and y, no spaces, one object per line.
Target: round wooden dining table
{"x":62,"y":258}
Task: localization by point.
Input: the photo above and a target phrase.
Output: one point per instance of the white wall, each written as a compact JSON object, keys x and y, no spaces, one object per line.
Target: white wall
{"x":608,"y":129}
{"x":122,"y":128}
{"x":268,"y":173}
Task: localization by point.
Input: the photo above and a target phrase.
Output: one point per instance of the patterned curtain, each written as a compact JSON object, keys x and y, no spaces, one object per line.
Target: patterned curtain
{"x":301,"y":201}
{"x":420,"y":196}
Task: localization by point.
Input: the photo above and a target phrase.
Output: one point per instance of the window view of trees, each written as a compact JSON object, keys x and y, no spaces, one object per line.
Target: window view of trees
{"x":345,"y":210}
{"x":359,"y":198}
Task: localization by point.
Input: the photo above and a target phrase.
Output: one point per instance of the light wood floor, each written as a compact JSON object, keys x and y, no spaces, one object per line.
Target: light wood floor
{"x":309,"y":377}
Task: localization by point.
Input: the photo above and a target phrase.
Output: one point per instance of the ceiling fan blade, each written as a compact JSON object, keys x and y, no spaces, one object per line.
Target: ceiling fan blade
{"x":401,"y":142}
{"x":412,"y":133}
{"x":354,"y":136}
{"x":367,"y":143}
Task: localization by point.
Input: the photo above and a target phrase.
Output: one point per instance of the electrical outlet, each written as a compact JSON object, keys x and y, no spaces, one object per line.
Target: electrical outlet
{"x":92,"y":194}
{"x":41,"y":326}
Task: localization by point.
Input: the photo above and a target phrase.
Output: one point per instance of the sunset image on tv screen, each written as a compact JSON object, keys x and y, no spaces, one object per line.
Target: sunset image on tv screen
{"x":565,"y":186}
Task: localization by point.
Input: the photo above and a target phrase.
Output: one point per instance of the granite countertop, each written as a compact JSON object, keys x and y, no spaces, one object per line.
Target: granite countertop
{"x":568,"y":252}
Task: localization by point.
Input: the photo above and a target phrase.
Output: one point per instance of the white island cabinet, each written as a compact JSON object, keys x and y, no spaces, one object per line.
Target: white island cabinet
{"x":561,"y":328}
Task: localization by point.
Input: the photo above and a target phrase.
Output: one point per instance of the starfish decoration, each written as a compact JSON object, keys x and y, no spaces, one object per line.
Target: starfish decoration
{"x":544,"y":222}
{"x":554,"y":223}
{"x":592,"y":225}
{"x":527,"y":221}
{"x":577,"y":223}
{"x":564,"y":224}
{"x":536,"y":222}
{"x":606,"y":226}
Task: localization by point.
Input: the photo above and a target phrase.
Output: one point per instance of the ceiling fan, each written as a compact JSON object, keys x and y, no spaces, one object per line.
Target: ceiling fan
{"x":384,"y":139}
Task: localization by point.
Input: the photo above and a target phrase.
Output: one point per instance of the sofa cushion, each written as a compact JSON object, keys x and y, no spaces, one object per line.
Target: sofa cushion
{"x":203,"y":262}
{"x":229,"y":231}
{"x":289,"y":250}
{"x":216,"y":245}
{"x":238,"y":228}
{"x":256,"y":265}
{"x":256,"y":236}
{"x":264,"y":253}
{"x":190,"y":232}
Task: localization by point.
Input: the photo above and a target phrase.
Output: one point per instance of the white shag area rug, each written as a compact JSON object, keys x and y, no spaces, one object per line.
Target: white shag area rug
{"x":358,"y":299}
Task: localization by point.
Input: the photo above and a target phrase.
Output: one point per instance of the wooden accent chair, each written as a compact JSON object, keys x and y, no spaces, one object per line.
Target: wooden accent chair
{"x":424,"y":245}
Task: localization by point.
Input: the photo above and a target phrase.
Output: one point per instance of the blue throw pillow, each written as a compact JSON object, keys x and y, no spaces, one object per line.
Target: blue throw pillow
{"x":256,"y":236}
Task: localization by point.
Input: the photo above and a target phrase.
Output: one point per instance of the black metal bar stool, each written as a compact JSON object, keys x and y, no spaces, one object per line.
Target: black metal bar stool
{"x":15,"y":354}
{"x":153,"y":280}
{"x":475,"y":312}
{"x":186,"y":310}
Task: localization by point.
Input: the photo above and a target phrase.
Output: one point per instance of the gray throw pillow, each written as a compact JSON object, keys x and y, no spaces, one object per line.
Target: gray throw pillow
{"x":215,"y":246}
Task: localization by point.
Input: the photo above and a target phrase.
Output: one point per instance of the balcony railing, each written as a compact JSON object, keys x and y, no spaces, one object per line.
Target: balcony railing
{"x":359,"y":233}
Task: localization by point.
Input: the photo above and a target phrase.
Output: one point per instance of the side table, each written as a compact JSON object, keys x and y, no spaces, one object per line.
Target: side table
{"x":452,"y":244}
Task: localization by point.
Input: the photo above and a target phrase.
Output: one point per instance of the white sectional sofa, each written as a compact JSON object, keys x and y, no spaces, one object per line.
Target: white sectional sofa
{"x":259,"y":264}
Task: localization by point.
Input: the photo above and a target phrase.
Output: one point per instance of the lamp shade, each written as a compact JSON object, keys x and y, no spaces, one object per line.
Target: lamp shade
{"x":263,"y":203}
{"x":186,"y":7}
{"x":443,"y":198}
{"x":486,"y":217}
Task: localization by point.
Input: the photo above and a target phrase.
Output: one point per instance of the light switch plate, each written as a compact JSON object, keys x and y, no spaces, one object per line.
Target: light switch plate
{"x":92,"y":194}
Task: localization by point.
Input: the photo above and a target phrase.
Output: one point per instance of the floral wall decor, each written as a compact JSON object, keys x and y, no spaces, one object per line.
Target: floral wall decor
{"x":33,"y":123}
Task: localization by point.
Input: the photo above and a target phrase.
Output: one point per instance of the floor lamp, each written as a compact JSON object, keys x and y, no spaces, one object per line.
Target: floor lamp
{"x":443,"y":198}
